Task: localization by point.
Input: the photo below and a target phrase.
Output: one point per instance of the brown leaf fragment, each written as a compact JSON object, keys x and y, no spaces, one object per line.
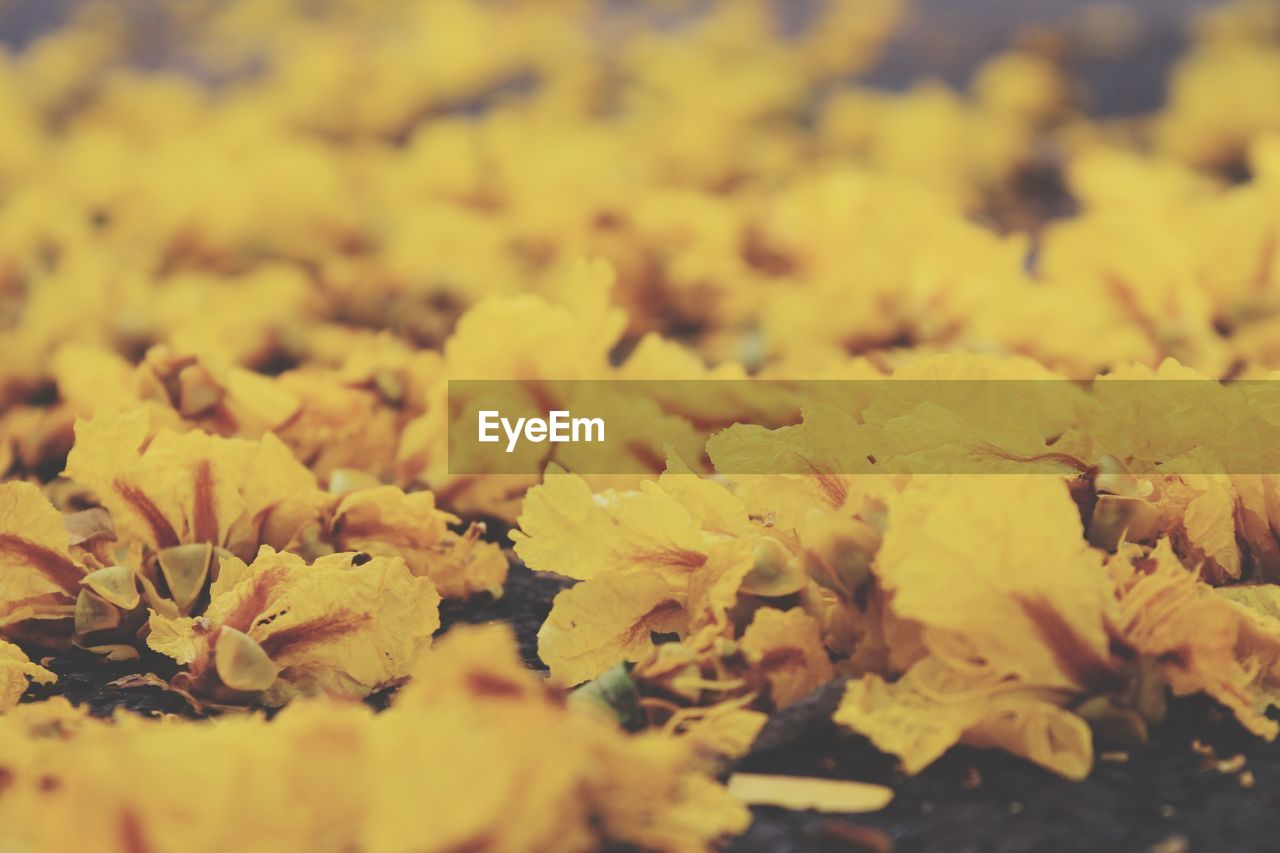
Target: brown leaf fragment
{"x":88,"y":525}
{"x":139,"y":679}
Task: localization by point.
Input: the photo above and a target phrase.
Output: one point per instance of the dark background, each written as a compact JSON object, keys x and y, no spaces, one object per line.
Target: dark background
{"x":942,"y":38}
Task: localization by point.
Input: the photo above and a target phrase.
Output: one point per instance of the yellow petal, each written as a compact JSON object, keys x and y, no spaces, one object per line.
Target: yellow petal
{"x":786,"y":648}
{"x":929,"y":710}
{"x":998,"y":569}
{"x":604,"y":621}
{"x":1224,"y":643}
{"x":175,"y":637}
{"x":567,"y":530}
{"x":16,"y":672}
{"x":34,"y":559}
{"x":800,"y":793}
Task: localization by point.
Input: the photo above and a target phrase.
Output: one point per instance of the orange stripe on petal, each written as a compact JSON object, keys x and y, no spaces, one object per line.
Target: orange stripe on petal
{"x":205,"y":513}
{"x":161,"y":529}
{"x":58,"y":568}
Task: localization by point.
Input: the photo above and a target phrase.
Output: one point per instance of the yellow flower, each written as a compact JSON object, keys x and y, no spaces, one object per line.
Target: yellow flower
{"x":387,"y":522}
{"x":1015,"y":620}
{"x":449,"y":764}
{"x":1225,"y":643}
{"x":185,"y":488}
{"x":344,"y":626}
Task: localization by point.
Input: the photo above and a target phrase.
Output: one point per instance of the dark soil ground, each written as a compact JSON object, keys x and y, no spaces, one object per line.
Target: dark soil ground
{"x":525,"y":603}
{"x":1167,"y":796}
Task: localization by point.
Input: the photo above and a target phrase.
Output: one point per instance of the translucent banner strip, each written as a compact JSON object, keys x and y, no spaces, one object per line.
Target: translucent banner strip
{"x":765,"y":426}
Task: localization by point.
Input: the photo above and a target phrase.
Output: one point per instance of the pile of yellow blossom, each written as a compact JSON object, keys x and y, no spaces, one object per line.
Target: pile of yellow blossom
{"x":448,"y":767}
{"x":244,"y":246}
